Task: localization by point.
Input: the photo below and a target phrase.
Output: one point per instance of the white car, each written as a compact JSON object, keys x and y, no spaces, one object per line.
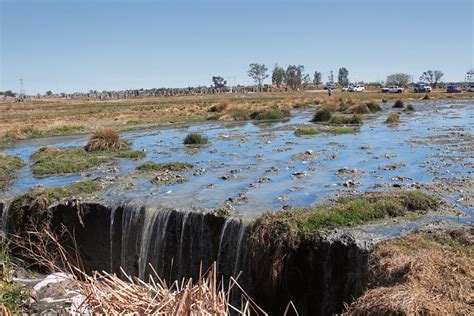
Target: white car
{"x":470,"y":89}
{"x":358,"y":88}
{"x":394,"y":89}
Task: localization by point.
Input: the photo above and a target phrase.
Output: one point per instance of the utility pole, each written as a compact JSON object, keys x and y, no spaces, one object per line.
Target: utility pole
{"x":22,"y":90}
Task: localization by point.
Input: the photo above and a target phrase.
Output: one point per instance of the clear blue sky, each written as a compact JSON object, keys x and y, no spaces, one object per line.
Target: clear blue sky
{"x":74,"y":45}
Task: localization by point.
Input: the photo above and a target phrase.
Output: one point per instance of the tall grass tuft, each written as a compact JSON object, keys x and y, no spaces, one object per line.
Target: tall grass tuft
{"x":321,"y":115}
{"x":106,"y":139}
{"x":398,"y":104}
{"x":195,"y":139}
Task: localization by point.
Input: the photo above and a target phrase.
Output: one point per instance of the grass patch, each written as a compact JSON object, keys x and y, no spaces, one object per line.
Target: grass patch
{"x":12,"y":296}
{"x":344,"y":119}
{"x":341,"y":130}
{"x":409,"y":108}
{"x":8,"y":167}
{"x":270,"y":115}
{"x":164,"y":166}
{"x":420,"y":274}
{"x":398,"y":104}
{"x":373,"y":106}
{"x":106,"y":139}
{"x":134,"y":155}
{"x":305,"y":131}
{"x":29,"y":132}
{"x":393,"y":119}
{"x":321,"y":115}
{"x":195,"y":139}
{"x":52,"y":160}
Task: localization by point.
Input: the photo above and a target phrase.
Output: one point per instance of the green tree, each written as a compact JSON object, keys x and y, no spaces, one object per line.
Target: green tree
{"x":278,"y":75}
{"x":49,"y":93}
{"x":433,"y":77}
{"x":218,"y":82}
{"x":317,"y":78}
{"x":343,"y":76}
{"x":294,"y":76}
{"x":398,"y":79}
{"x":9,"y":93}
{"x":258,"y":72}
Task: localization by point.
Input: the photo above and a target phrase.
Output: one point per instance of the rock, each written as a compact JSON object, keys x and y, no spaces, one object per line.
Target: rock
{"x":299,"y":174}
{"x":264,"y":180}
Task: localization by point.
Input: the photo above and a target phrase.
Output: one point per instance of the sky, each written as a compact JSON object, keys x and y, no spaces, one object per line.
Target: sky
{"x":71,"y":45}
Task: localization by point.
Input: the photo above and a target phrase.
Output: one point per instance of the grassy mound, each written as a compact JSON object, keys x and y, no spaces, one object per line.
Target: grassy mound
{"x":270,"y":115}
{"x":373,"y":106}
{"x":393,"y":119}
{"x":164,"y":166}
{"x":409,"y":108}
{"x":195,"y":139}
{"x":345,"y":119}
{"x":305,"y":131}
{"x":8,"y":167}
{"x":106,"y":139}
{"x":398,"y":104}
{"x":421,"y":274}
{"x":321,"y":115}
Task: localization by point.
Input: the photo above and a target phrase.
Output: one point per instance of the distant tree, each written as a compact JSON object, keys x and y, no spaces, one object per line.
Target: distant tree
{"x":343,"y":76}
{"x":218,"y":82}
{"x":258,"y":72}
{"x":317,"y":78}
{"x":306,"y":79}
{"x":49,"y":93}
{"x":294,"y":76}
{"x":331,"y":77}
{"x":398,"y":79}
{"x":433,"y":77}
{"x":278,"y":75}
{"x":9,"y":93}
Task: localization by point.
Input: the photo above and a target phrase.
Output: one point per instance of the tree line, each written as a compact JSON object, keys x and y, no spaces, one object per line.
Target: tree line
{"x":294,"y":76}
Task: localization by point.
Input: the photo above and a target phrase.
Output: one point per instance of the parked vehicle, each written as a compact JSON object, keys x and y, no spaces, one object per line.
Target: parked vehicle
{"x":393,"y":89}
{"x":330,"y":85}
{"x":453,"y":89}
{"x":421,"y":87}
{"x":470,"y":89}
{"x":384,"y":90}
{"x":358,"y":88}
{"x":346,"y":89}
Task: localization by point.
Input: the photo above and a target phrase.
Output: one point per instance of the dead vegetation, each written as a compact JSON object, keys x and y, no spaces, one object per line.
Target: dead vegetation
{"x":421,"y":274}
{"x":106,"y":139}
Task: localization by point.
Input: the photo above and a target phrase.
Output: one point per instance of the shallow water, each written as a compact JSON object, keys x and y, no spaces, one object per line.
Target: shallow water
{"x":250,"y":149}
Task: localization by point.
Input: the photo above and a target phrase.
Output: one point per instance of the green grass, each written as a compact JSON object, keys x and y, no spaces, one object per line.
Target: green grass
{"x":164,"y":166}
{"x":239,"y":115}
{"x":341,"y":130}
{"x":347,"y":212}
{"x":305,"y":131}
{"x":12,"y":296}
{"x":46,"y":196}
{"x":135,"y":155}
{"x":8,"y":168}
{"x":344,"y":119}
{"x":270,"y":115}
{"x":50,"y":160}
{"x":195,"y":139}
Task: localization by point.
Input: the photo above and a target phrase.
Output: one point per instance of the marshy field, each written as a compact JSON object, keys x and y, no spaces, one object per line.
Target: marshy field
{"x":253,"y":204}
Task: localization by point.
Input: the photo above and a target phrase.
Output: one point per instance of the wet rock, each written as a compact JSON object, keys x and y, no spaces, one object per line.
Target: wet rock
{"x":307,"y":155}
{"x":393,"y":166}
{"x":234,"y":171}
{"x":272,"y":170}
{"x":168,"y":178}
{"x":264,"y":180}
{"x":294,"y":189}
{"x":282,"y":198}
{"x":199,"y":172}
{"x":299,"y":174}
{"x":348,"y":173}
{"x":400,"y":178}
{"x":351,"y":183}
{"x":226,"y":177}
{"x":241,"y":198}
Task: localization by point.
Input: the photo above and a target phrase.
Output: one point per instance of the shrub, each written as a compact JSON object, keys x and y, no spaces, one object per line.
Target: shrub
{"x":321,"y":115}
{"x":105,"y":139}
{"x":195,"y":139}
{"x":305,"y":131}
{"x":270,"y":115}
{"x":393,"y":119}
{"x":373,"y":106}
{"x":344,"y":119}
{"x":358,"y":109}
{"x":220,"y":107}
{"x":398,"y":104}
{"x":409,"y":108}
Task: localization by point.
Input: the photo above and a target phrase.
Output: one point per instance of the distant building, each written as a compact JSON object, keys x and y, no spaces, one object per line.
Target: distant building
{"x":470,"y":75}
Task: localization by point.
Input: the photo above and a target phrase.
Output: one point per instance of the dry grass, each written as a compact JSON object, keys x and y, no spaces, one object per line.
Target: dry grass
{"x":393,"y":119}
{"x":105,"y":139}
{"x":421,"y":274}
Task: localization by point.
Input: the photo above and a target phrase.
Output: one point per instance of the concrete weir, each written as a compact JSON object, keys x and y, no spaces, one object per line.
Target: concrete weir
{"x":319,"y":277}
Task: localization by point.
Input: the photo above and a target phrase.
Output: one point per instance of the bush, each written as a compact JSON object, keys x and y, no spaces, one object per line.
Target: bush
{"x":195,"y":139}
{"x":344,"y":119}
{"x":321,"y":115}
{"x":393,"y":119}
{"x":373,"y":106}
{"x":409,"y":108}
{"x":398,"y":104}
{"x":220,"y":107}
{"x":270,"y":115}
{"x":358,"y":109}
{"x":106,"y":139}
